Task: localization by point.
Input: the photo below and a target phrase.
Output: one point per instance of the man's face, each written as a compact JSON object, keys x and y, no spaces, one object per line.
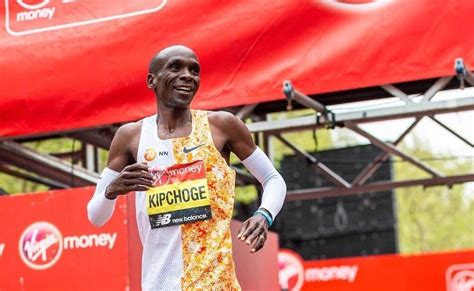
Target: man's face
{"x":178,"y":79}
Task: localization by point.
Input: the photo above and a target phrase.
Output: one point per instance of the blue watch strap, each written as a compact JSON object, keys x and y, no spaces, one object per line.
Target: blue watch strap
{"x":265,"y":215}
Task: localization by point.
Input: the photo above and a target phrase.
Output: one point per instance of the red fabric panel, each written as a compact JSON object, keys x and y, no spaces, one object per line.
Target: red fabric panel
{"x":86,"y":66}
{"x":448,"y":271}
{"x":77,"y":256}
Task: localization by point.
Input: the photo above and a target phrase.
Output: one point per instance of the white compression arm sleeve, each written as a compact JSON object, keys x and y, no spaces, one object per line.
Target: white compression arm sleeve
{"x":99,"y":208}
{"x":274,"y":187}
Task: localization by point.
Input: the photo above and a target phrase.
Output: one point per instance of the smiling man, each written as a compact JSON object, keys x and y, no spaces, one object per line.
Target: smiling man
{"x":177,"y":161}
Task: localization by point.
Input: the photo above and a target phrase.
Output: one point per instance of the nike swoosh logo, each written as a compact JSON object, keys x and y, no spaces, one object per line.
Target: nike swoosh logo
{"x":188,"y":150}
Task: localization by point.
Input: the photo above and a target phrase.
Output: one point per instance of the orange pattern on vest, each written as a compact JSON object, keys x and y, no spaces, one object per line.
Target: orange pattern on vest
{"x":207,"y":245}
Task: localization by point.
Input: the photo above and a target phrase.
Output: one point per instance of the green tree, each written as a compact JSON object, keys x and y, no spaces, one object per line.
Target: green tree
{"x":436,"y":218}
{"x":15,"y":185}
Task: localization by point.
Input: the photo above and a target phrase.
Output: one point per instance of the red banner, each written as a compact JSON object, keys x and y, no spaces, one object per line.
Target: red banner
{"x":80,"y":63}
{"x":47,"y":243}
{"x":443,"y":271}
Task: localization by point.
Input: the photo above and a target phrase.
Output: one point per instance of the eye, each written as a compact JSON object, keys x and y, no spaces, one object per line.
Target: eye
{"x":195,"y":70}
{"x":174,"y":67}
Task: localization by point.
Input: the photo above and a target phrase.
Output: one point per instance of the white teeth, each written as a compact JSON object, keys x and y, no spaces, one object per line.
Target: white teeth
{"x":186,"y":89}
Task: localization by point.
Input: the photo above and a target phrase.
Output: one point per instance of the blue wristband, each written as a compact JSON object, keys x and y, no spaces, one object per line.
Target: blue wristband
{"x":265,"y":215}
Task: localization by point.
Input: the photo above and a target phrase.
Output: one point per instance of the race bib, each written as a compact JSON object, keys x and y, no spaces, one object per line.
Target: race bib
{"x":180,"y":195}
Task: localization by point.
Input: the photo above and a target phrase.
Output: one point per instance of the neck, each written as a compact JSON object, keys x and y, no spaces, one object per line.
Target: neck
{"x":171,"y":118}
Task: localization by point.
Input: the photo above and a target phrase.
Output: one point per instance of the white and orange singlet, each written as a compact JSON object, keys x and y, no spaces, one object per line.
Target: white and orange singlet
{"x":184,"y":220}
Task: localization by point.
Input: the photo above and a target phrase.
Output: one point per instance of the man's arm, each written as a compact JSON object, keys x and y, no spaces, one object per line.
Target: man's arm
{"x":119,"y":177}
{"x":239,"y":141}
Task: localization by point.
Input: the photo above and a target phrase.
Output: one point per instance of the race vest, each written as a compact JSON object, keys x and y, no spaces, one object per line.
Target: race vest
{"x":180,"y":195}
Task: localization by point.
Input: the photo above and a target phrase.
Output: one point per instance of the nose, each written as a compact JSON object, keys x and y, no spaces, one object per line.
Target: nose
{"x":186,"y":74}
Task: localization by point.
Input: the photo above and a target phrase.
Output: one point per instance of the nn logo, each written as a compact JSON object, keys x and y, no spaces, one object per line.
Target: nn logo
{"x":150,"y":154}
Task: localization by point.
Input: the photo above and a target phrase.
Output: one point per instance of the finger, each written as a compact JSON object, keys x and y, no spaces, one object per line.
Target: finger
{"x":123,"y":191}
{"x":250,"y":228}
{"x":131,"y":175}
{"x":259,"y":243}
{"x":136,"y":167}
{"x":134,"y":175}
{"x":256,"y":232}
{"x":147,"y":175}
{"x":139,"y":181}
{"x":242,"y":228}
{"x":135,"y":188}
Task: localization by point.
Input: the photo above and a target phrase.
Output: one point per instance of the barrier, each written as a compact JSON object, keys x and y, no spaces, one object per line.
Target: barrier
{"x":47,"y":243}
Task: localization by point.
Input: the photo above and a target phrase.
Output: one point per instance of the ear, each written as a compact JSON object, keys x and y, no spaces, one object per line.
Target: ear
{"x":151,"y":81}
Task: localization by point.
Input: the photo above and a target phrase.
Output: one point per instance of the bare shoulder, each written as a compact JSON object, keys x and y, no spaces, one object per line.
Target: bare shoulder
{"x":124,"y":146}
{"x":232,"y":132}
{"x":224,"y":120}
{"x":129,"y":130}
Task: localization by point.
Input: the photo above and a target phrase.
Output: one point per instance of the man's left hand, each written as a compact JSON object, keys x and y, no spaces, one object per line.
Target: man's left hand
{"x":254,"y":232}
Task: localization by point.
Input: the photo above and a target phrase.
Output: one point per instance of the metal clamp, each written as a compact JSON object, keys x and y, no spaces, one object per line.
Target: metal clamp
{"x":292,"y":94}
{"x":462,"y":73}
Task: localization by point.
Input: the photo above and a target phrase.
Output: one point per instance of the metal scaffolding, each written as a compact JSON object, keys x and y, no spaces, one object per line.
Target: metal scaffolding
{"x":57,"y":171}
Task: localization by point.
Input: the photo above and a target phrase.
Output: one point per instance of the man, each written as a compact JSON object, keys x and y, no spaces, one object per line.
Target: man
{"x":177,"y":162}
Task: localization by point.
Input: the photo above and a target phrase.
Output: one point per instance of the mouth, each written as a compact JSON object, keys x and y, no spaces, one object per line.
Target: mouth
{"x":183,"y":89}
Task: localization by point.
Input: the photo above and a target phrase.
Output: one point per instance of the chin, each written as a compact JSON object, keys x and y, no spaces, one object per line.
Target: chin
{"x":182,"y":103}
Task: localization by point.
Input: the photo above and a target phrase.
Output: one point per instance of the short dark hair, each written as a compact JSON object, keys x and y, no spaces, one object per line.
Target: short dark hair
{"x":154,"y":65}
{"x":156,"y":61}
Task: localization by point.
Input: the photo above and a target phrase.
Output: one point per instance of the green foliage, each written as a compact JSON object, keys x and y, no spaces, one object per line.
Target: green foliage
{"x":435,"y":218}
{"x":246,"y":194}
{"x":56,"y":145}
{"x":15,"y":185}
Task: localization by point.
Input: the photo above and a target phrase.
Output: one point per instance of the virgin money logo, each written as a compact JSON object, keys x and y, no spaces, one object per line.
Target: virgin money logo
{"x":34,"y":16}
{"x":41,"y":245}
{"x":460,"y":277}
{"x":356,"y":1}
{"x":32,"y":6}
{"x":356,"y":5}
{"x":34,"y":12}
{"x":291,"y":270}
{"x":2,"y":248}
{"x":160,"y":177}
